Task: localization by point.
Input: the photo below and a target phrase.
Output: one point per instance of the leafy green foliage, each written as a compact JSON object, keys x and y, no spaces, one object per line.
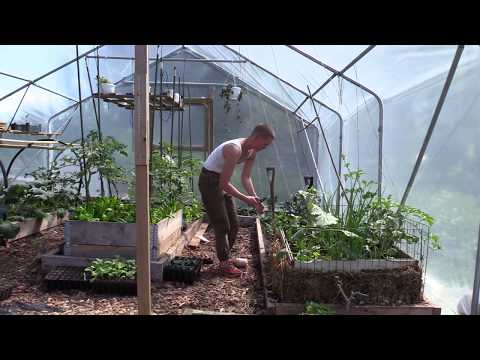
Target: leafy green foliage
{"x":313,"y":308}
{"x":36,"y":199}
{"x":112,"y":269}
{"x":8,"y":230}
{"x":368,"y":227}
{"x":193,"y":212}
{"x":99,"y":155}
{"x":108,"y":209}
{"x":159,"y":213}
{"x":171,"y":183}
{"x":111,"y":209}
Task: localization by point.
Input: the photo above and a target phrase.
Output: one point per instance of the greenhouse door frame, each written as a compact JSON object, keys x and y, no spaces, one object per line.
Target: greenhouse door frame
{"x":207,"y":104}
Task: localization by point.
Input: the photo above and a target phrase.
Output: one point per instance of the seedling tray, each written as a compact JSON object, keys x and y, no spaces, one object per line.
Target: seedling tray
{"x":183,"y":269}
{"x":116,"y":287}
{"x":70,"y":277}
{"x":66,"y":278}
{"x":112,"y":286}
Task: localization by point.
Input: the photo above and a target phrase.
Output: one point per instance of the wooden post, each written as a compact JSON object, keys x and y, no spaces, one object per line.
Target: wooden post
{"x":141,"y":142}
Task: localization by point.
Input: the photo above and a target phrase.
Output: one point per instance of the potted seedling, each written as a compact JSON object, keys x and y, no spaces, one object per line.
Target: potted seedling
{"x":106,"y":87}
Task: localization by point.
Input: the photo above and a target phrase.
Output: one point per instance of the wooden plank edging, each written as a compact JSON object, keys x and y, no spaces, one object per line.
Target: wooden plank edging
{"x":263,"y":258}
{"x":32,"y":226}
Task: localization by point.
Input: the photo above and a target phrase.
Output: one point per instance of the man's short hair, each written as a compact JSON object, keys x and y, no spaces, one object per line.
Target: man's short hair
{"x":263,"y":130}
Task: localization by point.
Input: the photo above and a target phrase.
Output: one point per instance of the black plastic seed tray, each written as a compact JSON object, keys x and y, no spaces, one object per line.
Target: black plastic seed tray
{"x":115,"y":287}
{"x":66,"y":278}
{"x":183,"y":269}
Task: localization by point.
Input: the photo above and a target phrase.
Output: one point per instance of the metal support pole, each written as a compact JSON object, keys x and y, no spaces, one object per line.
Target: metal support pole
{"x":475,"y":310}
{"x":4,"y":173}
{"x":49,"y":73}
{"x":322,"y":188}
{"x":278,"y":78}
{"x":340,"y":164}
{"x":141,"y":142}
{"x":436,"y":114}
{"x":171,"y":59}
{"x":328,"y":147}
{"x":83,"y":168}
{"x":353,"y":62}
{"x":18,"y":107}
{"x":340,"y":159}
{"x":371,"y":92}
{"x":36,"y":85}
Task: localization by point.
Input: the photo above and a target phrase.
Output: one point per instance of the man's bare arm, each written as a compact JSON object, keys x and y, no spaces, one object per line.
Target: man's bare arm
{"x":246,"y":176}
{"x":231,"y":153}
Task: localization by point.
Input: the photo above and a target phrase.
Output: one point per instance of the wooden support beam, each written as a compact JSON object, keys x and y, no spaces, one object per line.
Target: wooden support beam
{"x":142,"y":143}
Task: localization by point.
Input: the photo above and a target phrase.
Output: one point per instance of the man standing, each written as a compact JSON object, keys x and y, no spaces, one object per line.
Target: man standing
{"x":217,"y":190}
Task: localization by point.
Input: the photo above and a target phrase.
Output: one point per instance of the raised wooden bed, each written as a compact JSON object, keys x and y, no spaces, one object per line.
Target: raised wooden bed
{"x":33,"y":226}
{"x":57,"y":257}
{"x":422,"y":307}
{"x":106,"y":239}
{"x":319,"y":265}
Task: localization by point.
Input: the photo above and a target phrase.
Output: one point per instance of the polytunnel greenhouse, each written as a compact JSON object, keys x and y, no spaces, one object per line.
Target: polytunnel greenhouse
{"x":363,"y":197}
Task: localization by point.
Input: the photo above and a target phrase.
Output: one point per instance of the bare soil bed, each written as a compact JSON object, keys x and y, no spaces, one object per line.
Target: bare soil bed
{"x":382,"y":287}
{"x":20,"y":270}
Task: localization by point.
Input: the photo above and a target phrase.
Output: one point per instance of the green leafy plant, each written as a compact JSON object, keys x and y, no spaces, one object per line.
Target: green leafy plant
{"x":171,"y":187}
{"x":8,"y":230}
{"x":193,"y":211}
{"x":112,"y":269}
{"x":108,"y":209}
{"x":111,"y":209}
{"x":97,"y":156}
{"x":368,"y":227}
{"x":157,"y":214}
{"x":36,"y":199}
{"x":313,"y":308}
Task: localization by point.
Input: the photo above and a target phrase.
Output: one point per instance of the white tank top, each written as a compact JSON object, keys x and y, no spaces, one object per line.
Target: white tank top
{"x":215,"y":160}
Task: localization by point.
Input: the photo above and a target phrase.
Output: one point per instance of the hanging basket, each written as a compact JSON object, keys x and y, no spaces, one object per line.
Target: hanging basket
{"x":235,"y":93}
{"x":107,"y":88}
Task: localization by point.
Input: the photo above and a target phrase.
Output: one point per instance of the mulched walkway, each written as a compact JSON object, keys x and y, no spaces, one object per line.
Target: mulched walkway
{"x":20,"y":269}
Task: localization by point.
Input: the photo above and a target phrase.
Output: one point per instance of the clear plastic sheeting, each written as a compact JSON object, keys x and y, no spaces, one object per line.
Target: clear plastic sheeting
{"x":447,"y":185}
{"x":287,"y":93}
{"x":289,"y":154}
{"x":275,"y":80}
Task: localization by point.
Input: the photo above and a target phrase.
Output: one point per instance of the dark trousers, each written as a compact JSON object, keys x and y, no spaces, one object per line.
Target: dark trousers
{"x":221,"y":212}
